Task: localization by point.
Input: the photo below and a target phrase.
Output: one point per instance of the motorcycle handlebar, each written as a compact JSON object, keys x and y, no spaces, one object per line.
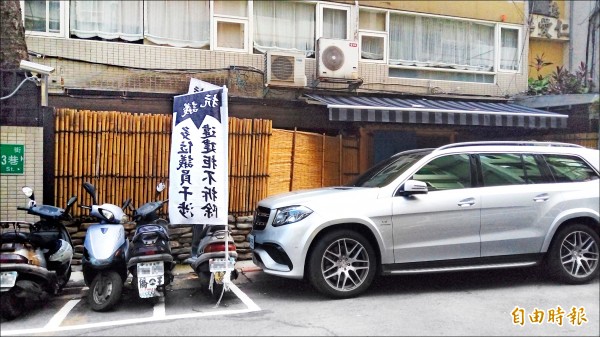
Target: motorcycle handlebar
{"x":85,"y":207}
{"x":22,"y":208}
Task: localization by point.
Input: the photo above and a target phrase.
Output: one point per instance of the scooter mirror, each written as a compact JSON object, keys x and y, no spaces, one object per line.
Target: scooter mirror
{"x":91,"y":190}
{"x":160,"y":187}
{"x":70,"y":203}
{"x":28,"y":192}
{"x":126,"y":203}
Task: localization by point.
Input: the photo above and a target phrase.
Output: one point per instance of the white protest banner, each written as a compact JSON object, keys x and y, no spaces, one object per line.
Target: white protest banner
{"x":198,"y":168}
{"x":197,"y":85}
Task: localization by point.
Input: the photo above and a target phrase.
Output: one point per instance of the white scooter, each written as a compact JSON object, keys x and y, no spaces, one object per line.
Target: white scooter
{"x":104,"y":261}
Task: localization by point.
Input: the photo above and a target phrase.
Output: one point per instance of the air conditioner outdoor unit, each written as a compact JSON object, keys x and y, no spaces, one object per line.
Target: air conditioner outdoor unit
{"x":286,"y":68}
{"x":337,"y":59}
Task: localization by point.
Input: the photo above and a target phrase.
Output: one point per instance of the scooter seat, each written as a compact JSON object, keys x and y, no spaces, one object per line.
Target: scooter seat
{"x":17,"y":237}
{"x":147,"y":229}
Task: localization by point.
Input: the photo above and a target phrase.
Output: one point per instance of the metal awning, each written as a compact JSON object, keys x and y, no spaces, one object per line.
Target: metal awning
{"x":429,"y":111}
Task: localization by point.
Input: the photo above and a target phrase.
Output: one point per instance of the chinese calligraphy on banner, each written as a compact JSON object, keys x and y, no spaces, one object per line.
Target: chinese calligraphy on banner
{"x":198,"y":177}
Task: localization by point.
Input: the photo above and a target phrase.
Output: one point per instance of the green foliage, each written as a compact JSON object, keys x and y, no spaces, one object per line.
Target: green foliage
{"x":560,"y":82}
{"x":538,"y":86}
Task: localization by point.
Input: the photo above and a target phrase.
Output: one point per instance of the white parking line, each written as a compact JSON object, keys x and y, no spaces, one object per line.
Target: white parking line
{"x":49,"y":328}
{"x":159,"y":308}
{"x":61,"y":314}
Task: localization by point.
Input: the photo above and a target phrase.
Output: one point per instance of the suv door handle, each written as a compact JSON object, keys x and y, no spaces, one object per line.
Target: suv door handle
{"x":541,"y":198}
{"x":466,"y":202}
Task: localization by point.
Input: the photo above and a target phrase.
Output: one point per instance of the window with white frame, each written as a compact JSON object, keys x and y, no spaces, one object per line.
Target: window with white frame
{"x":230,"y":25}
{"x":284,"y":25}
{"x":177,"y":23}
{"x":44,"y":17}
{"x":372,"y":35}
{"x":436,"y":42}
{"x":509,"y":48}
{"x":333,"y":21}
{"x":108,"y":20}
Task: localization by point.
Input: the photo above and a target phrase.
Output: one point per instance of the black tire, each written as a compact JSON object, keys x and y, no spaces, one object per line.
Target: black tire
{"x":105,"y":291}
{"x":217,"y":291}
{"x":11,"y":307}
{"x":204,"y":279}
{"x":154,"y":300}
{"x":345,"y":252}
{"x":63,"y":282}
{"x":573,"y":255}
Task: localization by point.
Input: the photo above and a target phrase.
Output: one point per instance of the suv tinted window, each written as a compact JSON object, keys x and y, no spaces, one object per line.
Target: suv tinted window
{"x":446,"y":173}
{"x":569,"y":168}
{"x":502,"y":169}
{"x":387,"y":170}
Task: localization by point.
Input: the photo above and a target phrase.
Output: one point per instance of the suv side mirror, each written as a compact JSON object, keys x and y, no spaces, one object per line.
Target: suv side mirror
{"x":414,"y":187}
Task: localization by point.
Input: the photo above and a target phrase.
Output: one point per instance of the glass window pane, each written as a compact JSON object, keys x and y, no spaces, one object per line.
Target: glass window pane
{"x":335,"y":23}
{"x":54,"y":13}
{"x":533,"y":174}
{"x":284,"y":25}
{"x":35,"y":15}
{"x":436,"y":42}
{"x":370,"y":20}
{"x":502,"y":169}
{"x":230,"y":35}
{"x":371,"y":47}
{"x":569,"y":169}
{"x":510,"y":49}
{"x":446,"y":173}
{"x":231,"y":7}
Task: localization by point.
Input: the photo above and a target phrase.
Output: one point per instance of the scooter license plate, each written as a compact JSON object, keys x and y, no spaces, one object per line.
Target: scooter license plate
{"x":217,"y":265}
{"x":150,"y":275}
{"x":8,"y":279}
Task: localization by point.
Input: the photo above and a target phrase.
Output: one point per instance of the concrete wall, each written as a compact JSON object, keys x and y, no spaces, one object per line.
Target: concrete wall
{"x":110,"y":66}
{"x":579,"y":31}
{"x":11,"y":195}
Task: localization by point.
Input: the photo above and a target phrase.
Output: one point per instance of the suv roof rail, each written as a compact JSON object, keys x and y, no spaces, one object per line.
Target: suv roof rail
{"x":511,"y":143}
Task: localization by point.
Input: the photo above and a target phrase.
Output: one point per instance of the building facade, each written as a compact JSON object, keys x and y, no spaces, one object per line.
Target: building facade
{"x":397,"y":74}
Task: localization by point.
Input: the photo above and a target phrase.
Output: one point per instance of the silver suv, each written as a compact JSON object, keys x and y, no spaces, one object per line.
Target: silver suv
{"x":462,"y":206}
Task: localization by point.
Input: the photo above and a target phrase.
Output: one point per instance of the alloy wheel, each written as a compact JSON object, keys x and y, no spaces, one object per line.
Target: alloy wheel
{"x":345,"y":264}
{"x":579,"y":254}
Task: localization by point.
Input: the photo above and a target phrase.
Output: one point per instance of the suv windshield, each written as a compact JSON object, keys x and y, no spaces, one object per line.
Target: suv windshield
{"x":387,"y":170}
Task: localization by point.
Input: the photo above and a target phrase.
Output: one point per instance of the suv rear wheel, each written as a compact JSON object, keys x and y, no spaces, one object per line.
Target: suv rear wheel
{"x":573,"y":256}
{"x":342,"y":264}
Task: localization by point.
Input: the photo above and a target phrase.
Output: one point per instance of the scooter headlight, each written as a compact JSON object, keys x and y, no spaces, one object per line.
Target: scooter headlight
{"x":108,"y":215}
{"x":290,"y":214}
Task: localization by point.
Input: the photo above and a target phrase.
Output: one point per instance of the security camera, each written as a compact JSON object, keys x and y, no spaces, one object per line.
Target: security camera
{"x":36,"y":67}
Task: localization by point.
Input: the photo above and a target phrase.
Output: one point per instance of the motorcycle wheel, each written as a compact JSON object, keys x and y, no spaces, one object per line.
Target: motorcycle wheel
{"x":217,"y":291}
{"x":62,"y":283}
{"x":105,"y":291}
{"x":10,"y":306}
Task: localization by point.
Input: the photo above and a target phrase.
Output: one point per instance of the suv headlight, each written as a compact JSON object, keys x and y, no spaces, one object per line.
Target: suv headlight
{"x":290,"y":214}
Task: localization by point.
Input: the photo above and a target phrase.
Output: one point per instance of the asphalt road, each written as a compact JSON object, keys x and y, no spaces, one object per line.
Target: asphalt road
{"x":483,"y":303}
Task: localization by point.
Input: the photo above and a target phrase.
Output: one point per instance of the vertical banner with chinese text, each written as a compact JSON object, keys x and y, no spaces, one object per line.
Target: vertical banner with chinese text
{"x":198,"y":176}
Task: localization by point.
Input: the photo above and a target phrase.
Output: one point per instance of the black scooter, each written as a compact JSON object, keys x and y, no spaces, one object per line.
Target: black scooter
{"x":35,"y":258}
{"x":150,"y":261}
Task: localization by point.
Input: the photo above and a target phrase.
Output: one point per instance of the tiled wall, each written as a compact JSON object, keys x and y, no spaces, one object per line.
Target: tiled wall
{"x":131,"y":67}
{"x":11,"y":195}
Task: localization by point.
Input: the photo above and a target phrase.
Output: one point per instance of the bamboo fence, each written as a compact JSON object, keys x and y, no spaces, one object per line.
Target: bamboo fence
{"x":126,"y":154}
{"x":123,"y":155}
{"x":302,"y":160}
